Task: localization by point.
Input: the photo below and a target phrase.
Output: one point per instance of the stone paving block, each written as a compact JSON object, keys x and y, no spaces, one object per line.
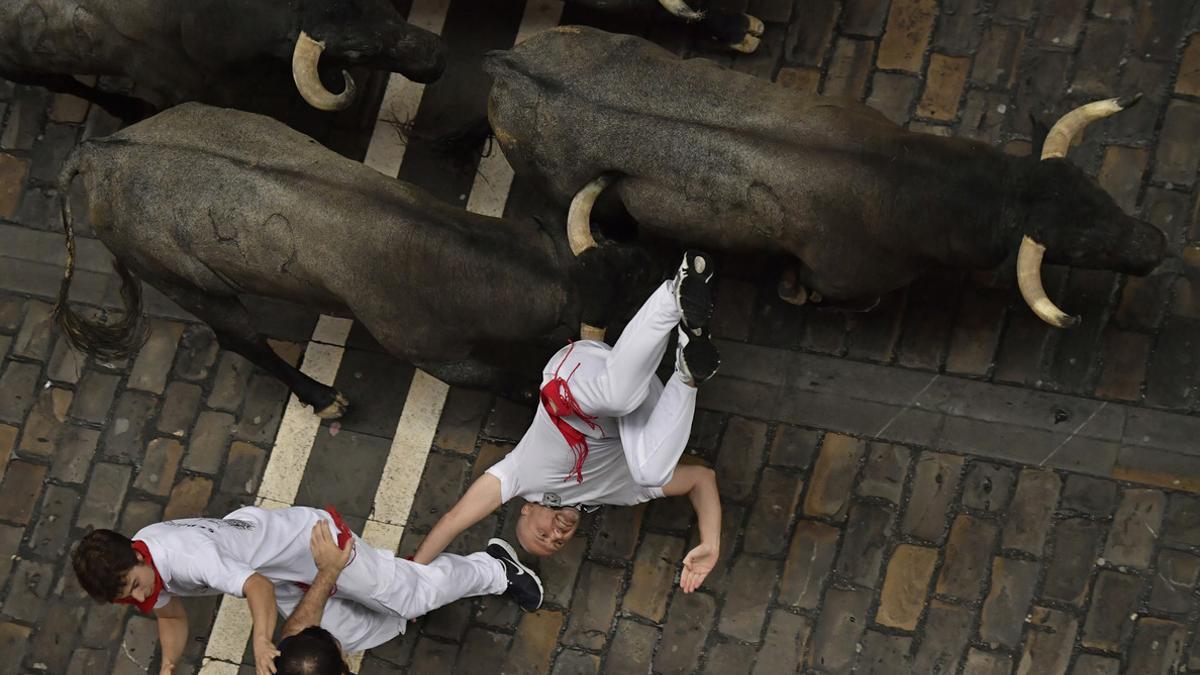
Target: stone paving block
{"x":1114,"y":604}
{"x":909,"y":26}
{"x":688,"y":622}
{"x":776,"y":504}
{"x":934,"y":484}
{"x":833,"y":477}
{"x":883,"y":475}
{"x":105,"y":492}
{"x":265,"y":400}
{"x":1029,"y":513}
{"x":14,"y":640}
{"x":976,"y":332}
{"x":1060,"y":22}
{"x":1172,"y":372}
{"x":155,"y":357}
{"x":784,"y":645}
{"x":20,"y":488}
{"x":85,"y":661}
{"x":987,"y":486}
{"x":12,"y":311}
{"x":137,"y":647}
{"x":983,"y":117}
{"x":139,"y":514}
{"x":632,"y":647}
{"x":76,"y":447}
{"x":775,"y":323}
{"x":617,"y":536}
{"x":94,"y":396}
{"x":944,"y":83}
{"x":508,"y":421}
{"x":575,"y":662}
{"x":462,"y":418}
{"x":740,"y":456}
{"x":157,"y":473}
{"x":1157,"y":646}
{"x":449,"y":622}
{"x":729,"y":658}
{"x":810,"y":33}
{"x":653,"y":576}
{"x":1158,"y":27}
{"x":1125,"y":356}
{"x":986,"y":663}
{"x":807,"y":80}
{"x":839,"y":629}
{"x":37,"y":332}
{"x":13,"y":171}
{"x":1069,"y":570}
{"x":893,"y":94}
{"x":873,"y":335}
{"x":53,"y":527}
{"x":1113,"y":9}
{"x":1051,"y":640}
{"x":751,"y":584}
{"x":188,"y":498}
{"x":848,"y":68}
{"x":46,"y":422}
{"x":534,"y":642}
{"x":1021,"y":349}
{"x":125,"y":438}
{"x":1177,"y":159}
{"x":51,"y":647}
{"x":558,"y":572}
{"x":10,"y":540}
{"x":707,"y":427}
{"x":180,"y":404}
{"x":480,"y":649}
{"x":947,"y":629}
{"x":1135,"y":528}
{"x":809,"y":561}
{"x":229,"y":385}
{"x":18,"y":390}
{"x":883,"y":654}
{"x":593,"y":606}
{"x":206,"y":449}
{"x":244,"y":469}
{"x":29,"y":591}
{"x":904,"y":588}
{"x":793,"y":446}
{"x":736,"y":298}
{"x":1121,"y":174}
{"x":863,"y":17}
{"x":968,"y":554}
{"x":1175,"y":577}
{"x":195,"y":353}
{"x":1181,"y":525}
{"x":66,"y":364}
{"x":958,"y":31}
{"x":1188,"y":80}
{"x":866,"y":539}
{"x":1091,"y":664}
{"x":1007,"y":601}
{"x":104,"y":624}
{"x":1088,"y":495}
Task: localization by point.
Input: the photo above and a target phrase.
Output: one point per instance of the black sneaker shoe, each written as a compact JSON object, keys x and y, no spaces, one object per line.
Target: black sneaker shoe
{"x":697,"y":357}
{"x":693,"y":294}
{"x":523,"y":585}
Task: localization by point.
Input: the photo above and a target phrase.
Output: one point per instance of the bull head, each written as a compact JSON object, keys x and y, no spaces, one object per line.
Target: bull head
{"x":1078,"y":222}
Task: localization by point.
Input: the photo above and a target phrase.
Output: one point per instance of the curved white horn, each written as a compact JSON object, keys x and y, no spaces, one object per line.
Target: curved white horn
{"x":1029,"y":278}
{"x":681,"y":9}
{"x":579,"y":217}
{"x":308,"y":83}
{"x":1058,"y":141}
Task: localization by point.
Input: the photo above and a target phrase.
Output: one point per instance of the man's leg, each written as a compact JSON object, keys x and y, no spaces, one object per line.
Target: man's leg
{"x":420,"y":589}
{"x":654,"y":436}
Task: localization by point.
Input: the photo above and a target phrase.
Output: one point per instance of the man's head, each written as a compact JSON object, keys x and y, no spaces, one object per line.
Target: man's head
{"x":312,"y":651}
{"x":109,"y":569}
{"x":543,"y":530}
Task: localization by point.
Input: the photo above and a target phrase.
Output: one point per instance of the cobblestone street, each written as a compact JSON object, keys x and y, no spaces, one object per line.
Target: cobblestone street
{"x":942,"y":485}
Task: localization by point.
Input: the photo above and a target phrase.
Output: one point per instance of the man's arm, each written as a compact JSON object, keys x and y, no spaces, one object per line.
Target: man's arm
{"x":260,"y":595}
{"x":330,"y":561}
{"x":699,"y":483}
{"x":172,"y":633}
{"x":481,"y":498}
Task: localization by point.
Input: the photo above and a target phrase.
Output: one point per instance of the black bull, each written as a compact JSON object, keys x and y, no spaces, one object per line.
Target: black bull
{"x":206,"y":50}
{"x":207,"y":204}
{"x":721,"y":159}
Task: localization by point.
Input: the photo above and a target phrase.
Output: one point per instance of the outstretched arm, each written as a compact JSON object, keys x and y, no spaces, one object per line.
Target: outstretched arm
{"x":481,"y":498}
{"x":330,"y":561}
{"x":699,"y":483}
{"x":172,"y":633}
{"x":260,"y":595}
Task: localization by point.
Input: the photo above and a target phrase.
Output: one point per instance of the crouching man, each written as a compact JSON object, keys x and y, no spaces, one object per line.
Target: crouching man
{"x":608,"y":432}
{"x":264,"y":556}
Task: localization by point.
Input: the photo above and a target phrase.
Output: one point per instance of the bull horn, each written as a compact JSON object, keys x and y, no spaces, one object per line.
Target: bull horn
{"x":308,"y":83}
{"x":681,"y":9}
{"x":579,"y":217}
{"x":1029,"y":257}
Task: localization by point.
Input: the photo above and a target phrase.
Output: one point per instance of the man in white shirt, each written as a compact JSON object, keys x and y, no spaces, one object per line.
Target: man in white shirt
{"x":608,"y":432}
{"x":264,"y":556}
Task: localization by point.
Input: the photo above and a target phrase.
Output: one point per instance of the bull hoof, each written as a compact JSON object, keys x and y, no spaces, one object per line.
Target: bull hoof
{"x":754,"y":32}
{"x":334,"y":410}
{"x":790,"y":290}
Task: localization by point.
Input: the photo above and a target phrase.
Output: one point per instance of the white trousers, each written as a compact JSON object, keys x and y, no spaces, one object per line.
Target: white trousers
{"x":654,"y":428}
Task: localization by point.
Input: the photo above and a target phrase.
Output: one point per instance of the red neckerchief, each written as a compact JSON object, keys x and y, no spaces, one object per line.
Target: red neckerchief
{"x":559,"y":403}
{"x":343,"y":537}
{"x":145,"y":606}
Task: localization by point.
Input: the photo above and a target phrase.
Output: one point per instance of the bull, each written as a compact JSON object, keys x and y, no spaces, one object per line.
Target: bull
{"x":209,"y":204}
{"x":741,"y":32}
{"x":206,"y":50}
{"x":724,"y":160}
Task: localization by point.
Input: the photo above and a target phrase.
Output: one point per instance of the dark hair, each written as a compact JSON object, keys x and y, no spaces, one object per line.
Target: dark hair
{"x":101,"y":561}
{"x":312,"y":651}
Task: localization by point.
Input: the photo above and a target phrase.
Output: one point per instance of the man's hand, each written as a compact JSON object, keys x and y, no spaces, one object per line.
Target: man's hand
{"x":325,"y":551}
{"x":696,"y":566}
{"x":167,"y":668}
{"x":264,"y":656}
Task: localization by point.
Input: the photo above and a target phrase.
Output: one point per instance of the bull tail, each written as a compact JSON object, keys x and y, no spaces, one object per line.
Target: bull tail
{"x":104,"y":340}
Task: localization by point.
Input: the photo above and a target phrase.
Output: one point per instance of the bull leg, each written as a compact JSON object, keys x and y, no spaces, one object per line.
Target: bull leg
{"x":127,"y":108}
{"x":741,"y":32}
{"x":236,"y":331}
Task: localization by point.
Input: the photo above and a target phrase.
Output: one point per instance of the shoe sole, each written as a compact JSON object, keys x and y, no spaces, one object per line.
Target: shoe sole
{"x":513,"y":554}
{"x":701,"y":342}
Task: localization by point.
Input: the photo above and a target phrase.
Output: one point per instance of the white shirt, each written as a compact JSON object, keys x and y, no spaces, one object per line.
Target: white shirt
{"x":537,"y":469}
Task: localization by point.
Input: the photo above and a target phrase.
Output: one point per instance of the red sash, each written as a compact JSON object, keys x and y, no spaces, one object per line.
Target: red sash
{"x":146,"y":605}
{"x":559,"y":403}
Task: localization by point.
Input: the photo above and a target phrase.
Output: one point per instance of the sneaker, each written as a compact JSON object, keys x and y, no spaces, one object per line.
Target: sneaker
{"x":693,"y":294}
{"x":697,"y":357}
{"x":523,"y":585}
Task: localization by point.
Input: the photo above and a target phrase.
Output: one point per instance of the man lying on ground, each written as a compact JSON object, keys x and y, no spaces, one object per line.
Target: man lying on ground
{"x":608,"y":432}
{"x":264,"y":556}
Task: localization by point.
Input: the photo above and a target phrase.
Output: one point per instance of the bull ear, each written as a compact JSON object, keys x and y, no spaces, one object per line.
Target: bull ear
{"x":1039,"y":132}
